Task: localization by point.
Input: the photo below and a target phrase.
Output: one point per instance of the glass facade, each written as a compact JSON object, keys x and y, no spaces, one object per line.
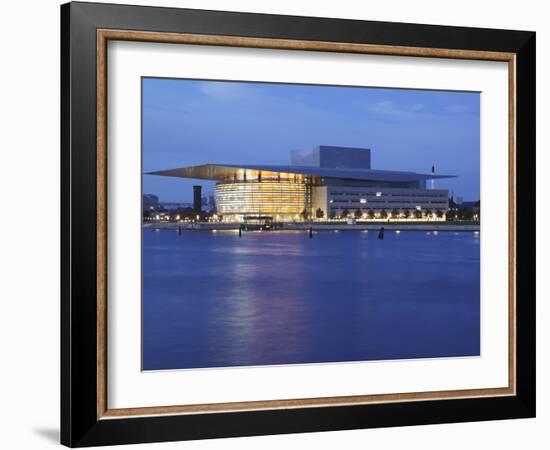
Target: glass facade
{"x":281,"y":200}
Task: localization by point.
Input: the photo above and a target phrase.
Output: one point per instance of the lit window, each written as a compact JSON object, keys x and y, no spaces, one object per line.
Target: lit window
{"x":363,"y":200}
{"x":331,"y":201}
{"x":379,"y":194}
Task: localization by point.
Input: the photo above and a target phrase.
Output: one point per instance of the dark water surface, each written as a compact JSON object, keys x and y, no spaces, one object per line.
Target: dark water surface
{"x":212,"y":299}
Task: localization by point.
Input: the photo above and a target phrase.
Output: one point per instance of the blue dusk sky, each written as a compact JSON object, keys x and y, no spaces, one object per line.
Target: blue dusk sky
{"x":191,"y":122}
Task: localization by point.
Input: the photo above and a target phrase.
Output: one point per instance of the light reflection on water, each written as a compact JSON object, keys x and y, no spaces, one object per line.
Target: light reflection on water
{"x":217,"y":300}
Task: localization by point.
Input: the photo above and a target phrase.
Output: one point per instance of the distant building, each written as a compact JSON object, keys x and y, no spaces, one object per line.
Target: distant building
{"x":150,"y":202}
{"x":174,"y":206}
{"x":208,"y":203}
{"x":474,"y":205}
{"x":211,"y":202}
{"x":197,"y":198}
{"x":322,"y":183}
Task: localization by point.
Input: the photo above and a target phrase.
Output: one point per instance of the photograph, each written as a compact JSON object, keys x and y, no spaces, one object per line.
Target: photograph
{"x":307,"y":224}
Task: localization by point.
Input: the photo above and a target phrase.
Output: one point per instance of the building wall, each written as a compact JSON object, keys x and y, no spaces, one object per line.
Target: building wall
{"x":344,"y":157}
{"x":305,"y":157}
{"x":319,"y":200}
{"x":343,"y":182}
{"x":285,"y":201}
{"x":339,"y":198}
{"x":332,"y":157}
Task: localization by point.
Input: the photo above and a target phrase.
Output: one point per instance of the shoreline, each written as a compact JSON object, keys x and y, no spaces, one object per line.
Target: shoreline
{"x":206,"y":226}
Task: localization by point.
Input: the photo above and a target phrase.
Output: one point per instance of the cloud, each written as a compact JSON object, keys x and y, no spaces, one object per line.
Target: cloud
{"x":224,"y":91}
{"x":391,"y":109}
{"x":253,"y":102}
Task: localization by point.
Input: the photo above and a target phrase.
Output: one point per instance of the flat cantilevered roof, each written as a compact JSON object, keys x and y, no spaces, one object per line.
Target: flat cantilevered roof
{"x":229,"y":171}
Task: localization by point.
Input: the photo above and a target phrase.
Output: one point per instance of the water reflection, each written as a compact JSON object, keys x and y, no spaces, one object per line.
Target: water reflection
{"x":215,"y":300}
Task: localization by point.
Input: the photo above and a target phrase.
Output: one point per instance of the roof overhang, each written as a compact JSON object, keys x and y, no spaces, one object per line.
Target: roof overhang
{"x":229,"y":171}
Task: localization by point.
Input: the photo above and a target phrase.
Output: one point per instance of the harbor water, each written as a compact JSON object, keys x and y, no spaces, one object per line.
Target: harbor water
{"x":214,"y":299}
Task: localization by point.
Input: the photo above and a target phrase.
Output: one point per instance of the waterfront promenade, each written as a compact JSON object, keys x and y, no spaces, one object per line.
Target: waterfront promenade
{"x":319,"y":226}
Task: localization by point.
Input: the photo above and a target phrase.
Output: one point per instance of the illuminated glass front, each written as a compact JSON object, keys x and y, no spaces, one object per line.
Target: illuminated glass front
{"x":282,"y":200}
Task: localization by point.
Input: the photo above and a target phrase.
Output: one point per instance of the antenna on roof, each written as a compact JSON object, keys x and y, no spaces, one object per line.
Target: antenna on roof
{"x":432,"y":181}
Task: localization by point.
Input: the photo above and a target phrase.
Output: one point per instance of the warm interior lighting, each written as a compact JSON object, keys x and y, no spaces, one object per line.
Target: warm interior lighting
{"x":267,"y":198}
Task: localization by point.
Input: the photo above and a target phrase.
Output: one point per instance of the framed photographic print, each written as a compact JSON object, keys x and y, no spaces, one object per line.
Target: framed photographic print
{"x":276,"y":224}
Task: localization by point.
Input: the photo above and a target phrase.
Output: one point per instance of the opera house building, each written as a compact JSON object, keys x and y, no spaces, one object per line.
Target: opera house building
{"x":325,"y":183}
